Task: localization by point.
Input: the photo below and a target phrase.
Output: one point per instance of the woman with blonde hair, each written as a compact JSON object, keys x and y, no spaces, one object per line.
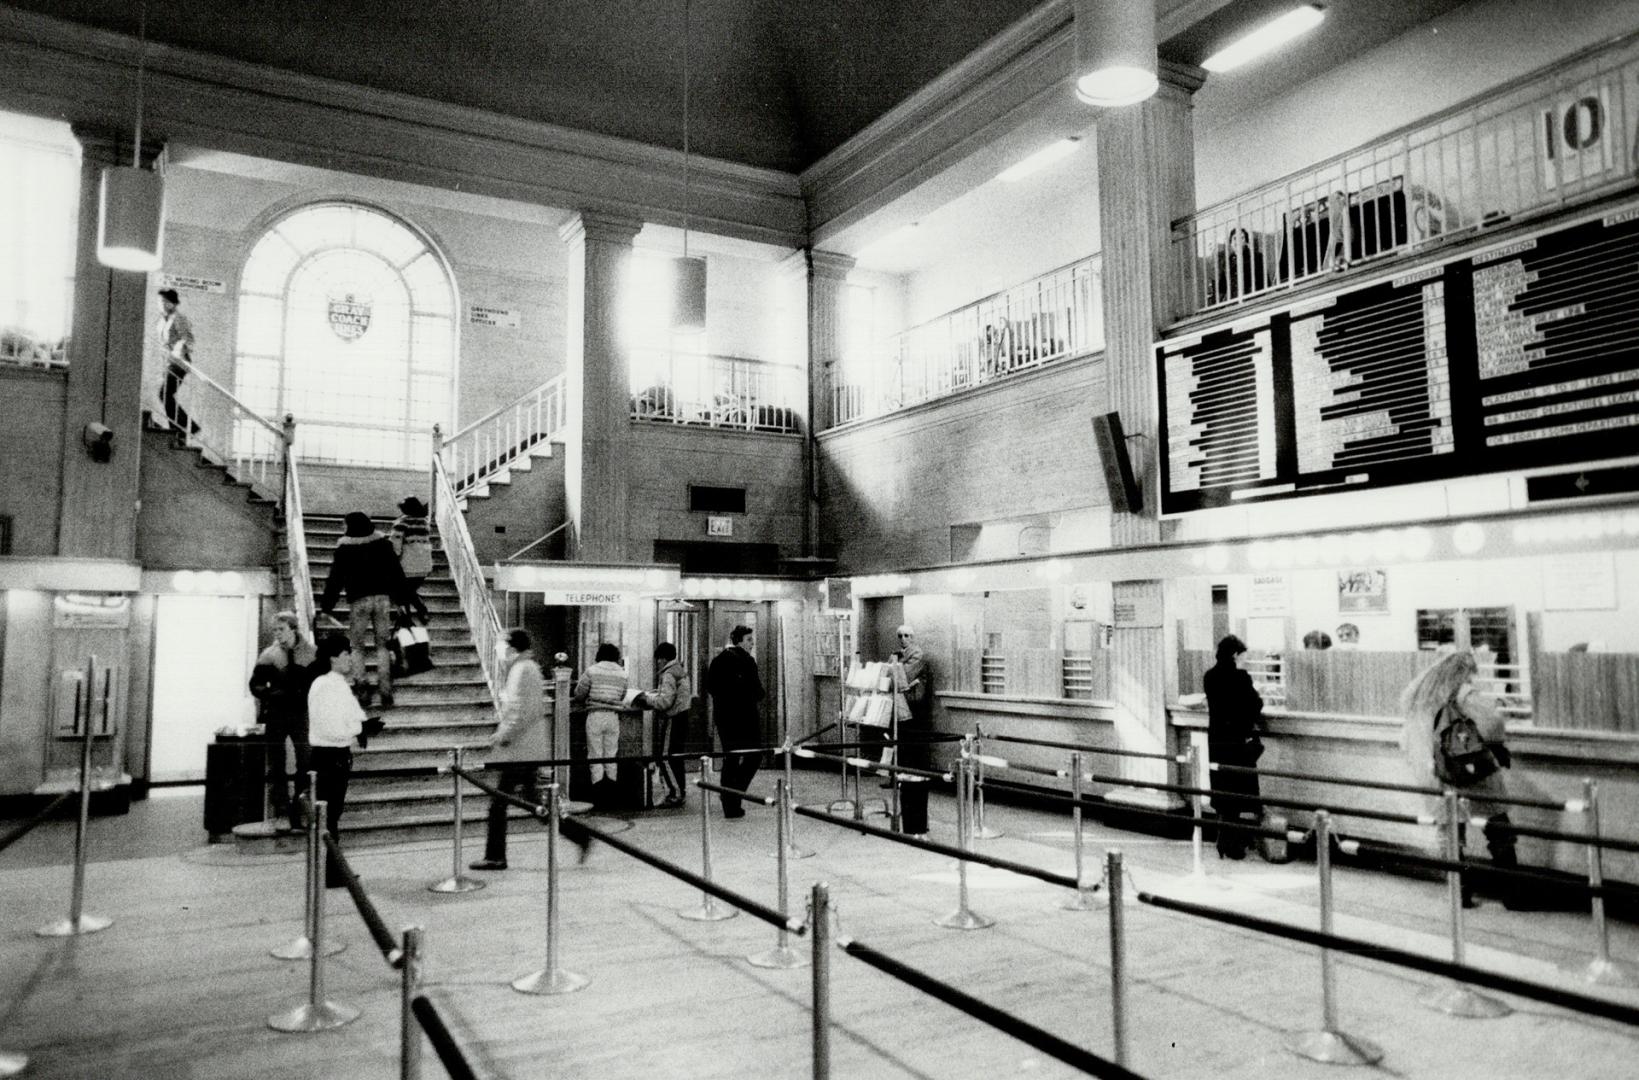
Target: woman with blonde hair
{"x":1453,"y":735}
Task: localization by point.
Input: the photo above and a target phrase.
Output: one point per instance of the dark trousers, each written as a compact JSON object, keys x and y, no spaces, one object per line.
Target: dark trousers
{"x":738,"y":769}
{"x":174,"y":413}
{"x":283,"y":801}
{"x":1230,"y":799}
{"x":671,"y":735}
{"x":410,"y":598}
{"x":333,"y":765}
{"x":516,"y":780}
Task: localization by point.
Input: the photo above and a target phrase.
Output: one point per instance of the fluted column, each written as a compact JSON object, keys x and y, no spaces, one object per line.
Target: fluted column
{"x":597,"y":444}
{"x":1146,"y":178}
{"x":97,"y":516}
{"x":826,"y":273}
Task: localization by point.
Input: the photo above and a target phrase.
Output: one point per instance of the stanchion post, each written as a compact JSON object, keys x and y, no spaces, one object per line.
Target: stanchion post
{"x":819,"y":930}
{"x":976,"y":800}
{"x":78,"y":922}
{"x":409,"y":1050}
{"x":1458,"y":999}
{"x":963,"y":918}
{"x":1197,"y":772}
{"x":1329,"y":1045}
{"x":551,"y":979}
{"x":318,"y":1013}
{"x":457,"y":882}
{"x":1601,"y":970}
{"x":1082,"y":900}
{"x":782,"y":955}
{"x":792,"y":851}
{"x":1118,"y":955}
{"x":709,"y":910}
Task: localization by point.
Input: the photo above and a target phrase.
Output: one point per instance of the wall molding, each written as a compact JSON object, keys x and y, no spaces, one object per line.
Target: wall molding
{"x":86,"y":76}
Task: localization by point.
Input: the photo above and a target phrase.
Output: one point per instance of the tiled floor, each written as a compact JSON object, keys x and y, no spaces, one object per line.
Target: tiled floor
{"x":181,"y":985}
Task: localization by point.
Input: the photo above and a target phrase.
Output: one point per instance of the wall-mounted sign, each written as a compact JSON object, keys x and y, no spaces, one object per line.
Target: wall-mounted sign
{"x":350,"y":316}
{"x":586,"y":598}
{"x":484,"y":315}
{"x":561,"y":579}
{"x":719,"y":526}
{"x":1362,"y":590}
{"x":193,"y":284}
{"x":1271,"y":595}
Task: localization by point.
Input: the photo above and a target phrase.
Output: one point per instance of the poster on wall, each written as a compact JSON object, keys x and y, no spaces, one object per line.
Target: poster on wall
{"x":1270,"y":596}
{"x":1579,"y":583}
{"x":1362,"y":590}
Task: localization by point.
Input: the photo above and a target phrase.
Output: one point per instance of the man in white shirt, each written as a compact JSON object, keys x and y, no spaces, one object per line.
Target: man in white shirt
{"x":176,"y":338}
{"x":334,"y":720}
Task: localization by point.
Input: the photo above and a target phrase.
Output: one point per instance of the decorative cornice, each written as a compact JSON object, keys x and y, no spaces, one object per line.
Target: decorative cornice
{"x":607,"y":228}
{"x":60,"y":69}
{"x":830,"y":265}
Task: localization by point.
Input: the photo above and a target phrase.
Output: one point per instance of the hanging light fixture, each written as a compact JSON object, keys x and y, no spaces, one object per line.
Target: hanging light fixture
{"x":1115,"y":51}
{"x":688,"y":274}
{"x":131,"y":210}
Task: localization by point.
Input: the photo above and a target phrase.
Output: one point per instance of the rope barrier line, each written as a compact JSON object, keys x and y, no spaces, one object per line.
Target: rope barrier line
{"x":1293,"y":804}
{"x":992,"y":762}
{"x":1083,"y":747}
{"x":494,"y":792}
{"x":1026,"y":1032}
{"x":1606,"y":842}
{"x":758,"y":800}
{"x":384,"y":939}
{"x":824,"y":747}
{"x":1540,"y":876}
{"x":1610,"y":1010}
{"x":1569,"y":806}
{"x":746,"y":904}
{"x":1024,"y":869}
{"x":27,"y":827}
{"x":1291,"y":835}
{"x":438,"y":1033}
{"x":867,"y":763}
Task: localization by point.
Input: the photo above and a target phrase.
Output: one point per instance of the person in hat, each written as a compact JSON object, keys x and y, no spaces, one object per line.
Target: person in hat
{"x":366,"y":569}
{"x":176,"y":338}
{"x":413,"y":541}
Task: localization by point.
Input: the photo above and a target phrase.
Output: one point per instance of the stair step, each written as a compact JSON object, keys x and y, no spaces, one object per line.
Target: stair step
{"x":408,"y":692}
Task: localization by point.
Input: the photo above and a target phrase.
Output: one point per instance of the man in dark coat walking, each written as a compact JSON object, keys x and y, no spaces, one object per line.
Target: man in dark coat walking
{"x":735,"y":689}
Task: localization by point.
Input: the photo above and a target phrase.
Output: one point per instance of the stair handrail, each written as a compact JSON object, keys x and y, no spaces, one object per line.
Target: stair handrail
{"x":249,"y":452}
{"x":468,"y":574}
{"x":301,"y":577}
{"x":499,"y":437}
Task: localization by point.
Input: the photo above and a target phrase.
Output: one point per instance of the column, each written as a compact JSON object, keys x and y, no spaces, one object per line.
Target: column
{"x":98,"y":512}
{"x":597,"y":444}
{"x":827,"y":274}
{"x":1146,"y":178}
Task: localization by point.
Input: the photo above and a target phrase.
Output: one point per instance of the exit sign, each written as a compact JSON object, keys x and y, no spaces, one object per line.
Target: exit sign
{"x":719,"y":526}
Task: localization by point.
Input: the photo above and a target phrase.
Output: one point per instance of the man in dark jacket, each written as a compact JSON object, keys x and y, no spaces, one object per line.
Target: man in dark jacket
{"x":735,"y":689}
{"x":279,"y":683}
{"x":366,"y":570}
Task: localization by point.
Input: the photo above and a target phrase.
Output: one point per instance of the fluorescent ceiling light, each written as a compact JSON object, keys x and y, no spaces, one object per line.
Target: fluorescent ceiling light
{"x":1265,"y":38}
{"x":1038,"y":161}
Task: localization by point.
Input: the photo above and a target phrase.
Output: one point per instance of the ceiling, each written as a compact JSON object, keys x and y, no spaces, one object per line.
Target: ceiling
{"x":773,"y":83}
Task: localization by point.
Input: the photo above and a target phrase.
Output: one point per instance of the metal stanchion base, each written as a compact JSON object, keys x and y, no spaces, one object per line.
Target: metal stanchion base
{"x":87,"y":924}
{"x":567,"y":807}
{"x":987,"y":833}
{"x":1460,"y":1000}
{"x":546,"y":983}
{"x":1334,"y":1048}
{"x":458,"y":884}
{"x":782,"y":957}
{"x":321,"y":1017}
{"x":840,"y":806}
{"x":1093,"y":899}
{"x":963,"y":919}
{"x":302,"y":949}
{"x":1606,"y":973}
{"x":12,"y":1064}
{"x":708,"y":911}
{"x":792,"y":852}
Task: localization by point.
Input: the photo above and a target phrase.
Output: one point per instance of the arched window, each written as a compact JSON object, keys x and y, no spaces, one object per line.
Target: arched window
{"x":347,"y":321}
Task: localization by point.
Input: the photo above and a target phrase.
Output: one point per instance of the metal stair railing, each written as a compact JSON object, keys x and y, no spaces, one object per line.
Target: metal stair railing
{"x":493,"y":441}
{"x":230,"y":433}
{"x":468,"y":574}
{"x":301,"y":577}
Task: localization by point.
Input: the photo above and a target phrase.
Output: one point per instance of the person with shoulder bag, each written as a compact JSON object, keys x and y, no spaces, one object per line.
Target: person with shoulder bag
{"x":1454,"y":734}
{"x":671,"y":700}
{"x":1234,"y":715}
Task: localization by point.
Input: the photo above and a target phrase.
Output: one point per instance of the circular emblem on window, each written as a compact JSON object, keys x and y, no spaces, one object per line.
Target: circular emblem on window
{"x":349,"y":316}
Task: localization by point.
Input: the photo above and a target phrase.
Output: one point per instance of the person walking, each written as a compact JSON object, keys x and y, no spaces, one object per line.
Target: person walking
{"x":279,"y":682}
{"x":736,"y":688}
{"x":671,"y":701}
{"x":366,"y":569}
{"x":335,"y":719}
{"x":1234,"y":715}
{"x":602,"y":687}
{"x":413,"y":542}
{"x":176,"y":339}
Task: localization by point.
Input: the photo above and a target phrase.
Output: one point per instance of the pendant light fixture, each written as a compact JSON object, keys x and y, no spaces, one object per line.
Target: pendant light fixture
{"x":689,"y":274}
{"x":131,"y":209}
{"x":1115,"y":51}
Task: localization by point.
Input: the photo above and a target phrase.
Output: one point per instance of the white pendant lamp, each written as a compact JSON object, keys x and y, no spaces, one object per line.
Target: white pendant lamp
{"x":131,"y":209}
{"x":1115,"y":51}
{"x":688,"y":274}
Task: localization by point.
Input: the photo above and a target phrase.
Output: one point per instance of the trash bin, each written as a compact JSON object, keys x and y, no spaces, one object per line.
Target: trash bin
{"x":235,"y":778}
{"x":913,"y":805}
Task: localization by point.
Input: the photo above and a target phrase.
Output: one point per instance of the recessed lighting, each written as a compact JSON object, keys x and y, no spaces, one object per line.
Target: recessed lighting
{"x":1038,"y":161}
{"x":1266,"y":38}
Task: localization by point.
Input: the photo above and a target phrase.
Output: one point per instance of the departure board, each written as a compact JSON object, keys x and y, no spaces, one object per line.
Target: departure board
{"x":1522,"y":355}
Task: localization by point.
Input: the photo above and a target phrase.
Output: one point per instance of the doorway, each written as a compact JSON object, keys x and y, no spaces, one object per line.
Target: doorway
{"x":203,"y":650}
{"x":724,"y":617}
{"x":880,"y":617}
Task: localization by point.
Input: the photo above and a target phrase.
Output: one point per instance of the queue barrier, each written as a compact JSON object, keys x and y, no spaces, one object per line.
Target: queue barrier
{"x":1569,"y":806}
{"x":13,"y":1062}
{"x":78,"y":922}
{"x":781,"y":956}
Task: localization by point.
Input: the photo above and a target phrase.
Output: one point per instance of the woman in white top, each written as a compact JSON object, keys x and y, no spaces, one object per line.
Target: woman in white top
{"x":334,"y":720}
{"x":603,"y":684}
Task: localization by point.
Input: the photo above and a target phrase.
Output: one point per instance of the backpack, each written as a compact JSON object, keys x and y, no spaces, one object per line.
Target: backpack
{"x":1461,"y":756}
{"x":415,"y":554}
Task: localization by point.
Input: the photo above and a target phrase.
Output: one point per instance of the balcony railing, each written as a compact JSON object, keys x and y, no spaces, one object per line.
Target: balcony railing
{"x":1561,"y":136}
{"x":1053,"y":317}
{"x":715,"y":391}
{"x":497,"y":439}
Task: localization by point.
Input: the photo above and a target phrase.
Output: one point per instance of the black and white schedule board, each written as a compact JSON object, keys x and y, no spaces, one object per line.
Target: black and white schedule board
{"x":1523,"y":355}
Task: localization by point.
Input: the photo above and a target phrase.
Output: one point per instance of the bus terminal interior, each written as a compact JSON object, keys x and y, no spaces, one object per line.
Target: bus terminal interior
{"x":872,"y":329}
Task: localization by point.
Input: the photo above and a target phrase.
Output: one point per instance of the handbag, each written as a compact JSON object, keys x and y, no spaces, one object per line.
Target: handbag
{"x":1461,"y":755}
{"x":411,"y":649}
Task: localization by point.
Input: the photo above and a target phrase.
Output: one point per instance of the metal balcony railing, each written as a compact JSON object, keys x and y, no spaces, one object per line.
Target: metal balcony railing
{"x":715,"y":391}
{"x":497,"y":439}
{"x":1054,"y":317}
{"x":1560,"y":136}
